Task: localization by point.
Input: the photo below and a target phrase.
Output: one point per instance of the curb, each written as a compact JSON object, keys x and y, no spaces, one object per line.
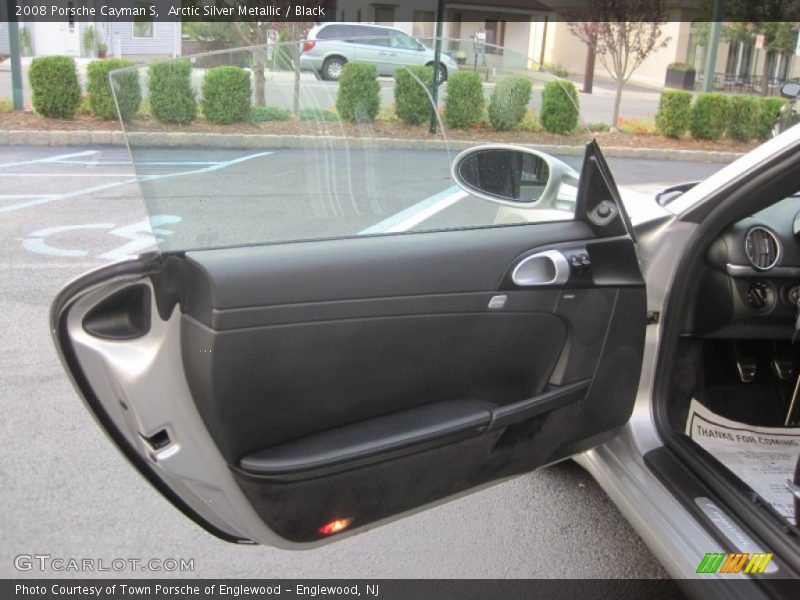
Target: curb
{"x":250,"y":141}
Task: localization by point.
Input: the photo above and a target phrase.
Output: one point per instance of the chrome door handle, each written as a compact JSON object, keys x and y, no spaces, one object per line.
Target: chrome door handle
{"x":543,"y":268}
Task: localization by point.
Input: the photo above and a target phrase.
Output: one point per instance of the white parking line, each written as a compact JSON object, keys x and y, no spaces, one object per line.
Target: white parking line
{"x":47,"y":159}
{"x":66,"y":175}
{"x":415,"y":214}
{"x":50,"y":198}
{"x":163,"y":163}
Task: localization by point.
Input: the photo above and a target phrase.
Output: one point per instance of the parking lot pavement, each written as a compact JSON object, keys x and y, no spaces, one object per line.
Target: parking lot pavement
{"x":68,"y":493}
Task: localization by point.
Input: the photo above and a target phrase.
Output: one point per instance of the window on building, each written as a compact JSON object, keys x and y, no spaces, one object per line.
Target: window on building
{"x":696,"y":50}
{"x":143,"y":25}
{"x":384,"y":15}
{"x":740,"y":61}
{"x":423,"y":24}
{"x":495,"y":36}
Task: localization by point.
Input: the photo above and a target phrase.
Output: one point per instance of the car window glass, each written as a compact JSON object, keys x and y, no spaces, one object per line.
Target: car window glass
{"x":403,"y":41}
{"x":331,"y":32}
{"x":375,"y":36}
{"x":328,"y":163}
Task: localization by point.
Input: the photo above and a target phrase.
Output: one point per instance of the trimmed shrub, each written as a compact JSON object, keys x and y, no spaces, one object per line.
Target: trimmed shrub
{"x":170,"y":92}
{"x":509,"y":102}
{"x":412,"y":103}
{"x":709,"y":116}
{"x":464,"y":102}
{"x":674,"y":113}
{"x":769,"y":110}
{"x":225,"y":94}
{"x":559,"y":107}
{"x":126,"y":85}
{"x":358,"y":99}
{"x":262,"y":114}
{"x":530,"y":122}
{"x":54,"y":85}
{"x":742,"y":118}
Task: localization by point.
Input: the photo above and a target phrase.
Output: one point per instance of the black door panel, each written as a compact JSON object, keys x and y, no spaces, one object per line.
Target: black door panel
{"x":331,"y":375}
{"x":259,"y":387}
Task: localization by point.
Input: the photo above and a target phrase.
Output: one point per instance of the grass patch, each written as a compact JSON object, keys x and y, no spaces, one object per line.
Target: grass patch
{"x":638,"y":126}
{"x":264,"y":114}
{"x":317,"y":114}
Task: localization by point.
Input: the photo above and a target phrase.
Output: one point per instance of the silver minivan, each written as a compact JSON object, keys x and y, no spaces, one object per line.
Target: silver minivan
{"x":332,"y":45}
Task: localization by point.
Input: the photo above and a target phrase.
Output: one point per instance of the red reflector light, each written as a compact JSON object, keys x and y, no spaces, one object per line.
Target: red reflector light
{"x":335,"y":526}
{"x":308,"y":45}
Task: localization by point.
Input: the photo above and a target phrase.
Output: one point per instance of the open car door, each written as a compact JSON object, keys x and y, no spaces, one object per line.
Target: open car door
{"x":287,"y":387}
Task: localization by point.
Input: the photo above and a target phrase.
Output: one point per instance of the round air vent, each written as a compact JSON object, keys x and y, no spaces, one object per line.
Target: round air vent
{"x":762,"y":248}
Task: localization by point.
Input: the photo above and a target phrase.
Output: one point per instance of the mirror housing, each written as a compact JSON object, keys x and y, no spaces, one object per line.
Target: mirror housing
{"x":512,"y":175}
{"x":790,"y":89}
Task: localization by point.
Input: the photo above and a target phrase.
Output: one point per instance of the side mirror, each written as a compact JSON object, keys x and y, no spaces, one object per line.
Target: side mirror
{"x":790,"y":89}
{"x":512,"y":175}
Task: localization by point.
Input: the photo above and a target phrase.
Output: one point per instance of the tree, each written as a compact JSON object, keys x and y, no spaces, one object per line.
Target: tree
{"x":622,"y":33}
{"x":294,"y":33}
{"x":258,"y":34}
{"x":770,"y":18}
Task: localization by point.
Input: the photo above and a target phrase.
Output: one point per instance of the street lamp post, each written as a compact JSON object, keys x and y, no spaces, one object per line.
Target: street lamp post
{"x":437,"y":58}
{"x":13,"y":51}
{"x":713,"y":43}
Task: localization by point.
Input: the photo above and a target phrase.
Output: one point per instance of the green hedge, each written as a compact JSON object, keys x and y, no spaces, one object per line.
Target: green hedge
{"x":225,"y":94}
{"x":464,"y":102}
{"x":559,"y":107}
{"x":709,"y":116}
{"x":126,"y":85}
{"x":54,"y":86}
{"x":674,"y":113}
{"x":358,"y":99}
{"x":412,"y":104}
{"x":509,"y":102}
{"x":742,"y":118}
{"x":769,"y":110}
{"x":170,"y":92}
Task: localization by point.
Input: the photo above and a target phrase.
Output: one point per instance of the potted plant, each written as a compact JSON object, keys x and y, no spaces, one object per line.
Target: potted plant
{"x":25,"y":45}
{"x":89,"y":41}
{"x":460,"y":57}
{"x":680,"y":76}
{"x":102,"y":50}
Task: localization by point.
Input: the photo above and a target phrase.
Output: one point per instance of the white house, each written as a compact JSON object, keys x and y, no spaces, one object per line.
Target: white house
{"x":140,"y":39}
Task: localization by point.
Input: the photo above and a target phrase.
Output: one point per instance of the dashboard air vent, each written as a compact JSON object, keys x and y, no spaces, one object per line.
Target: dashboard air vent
{"x":762,"y":248}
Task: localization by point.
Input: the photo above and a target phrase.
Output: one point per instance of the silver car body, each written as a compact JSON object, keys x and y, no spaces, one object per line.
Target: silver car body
{"x":386,"y":47}
{"x":674,"y":535}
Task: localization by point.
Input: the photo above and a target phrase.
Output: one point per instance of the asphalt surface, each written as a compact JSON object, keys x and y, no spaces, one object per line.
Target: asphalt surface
{"x":68,"y":493}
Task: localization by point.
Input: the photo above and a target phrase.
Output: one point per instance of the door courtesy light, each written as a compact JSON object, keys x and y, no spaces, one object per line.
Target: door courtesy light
{"x":335,"y":526}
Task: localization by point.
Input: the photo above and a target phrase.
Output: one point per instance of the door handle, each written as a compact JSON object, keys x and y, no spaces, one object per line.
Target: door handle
{"x":543,"y":268}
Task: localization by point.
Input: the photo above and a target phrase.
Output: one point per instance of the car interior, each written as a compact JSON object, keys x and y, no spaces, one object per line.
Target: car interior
{"x":737,"y":355}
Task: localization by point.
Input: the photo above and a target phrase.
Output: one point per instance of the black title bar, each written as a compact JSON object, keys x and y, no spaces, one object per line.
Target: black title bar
{"x":390,"y":11}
